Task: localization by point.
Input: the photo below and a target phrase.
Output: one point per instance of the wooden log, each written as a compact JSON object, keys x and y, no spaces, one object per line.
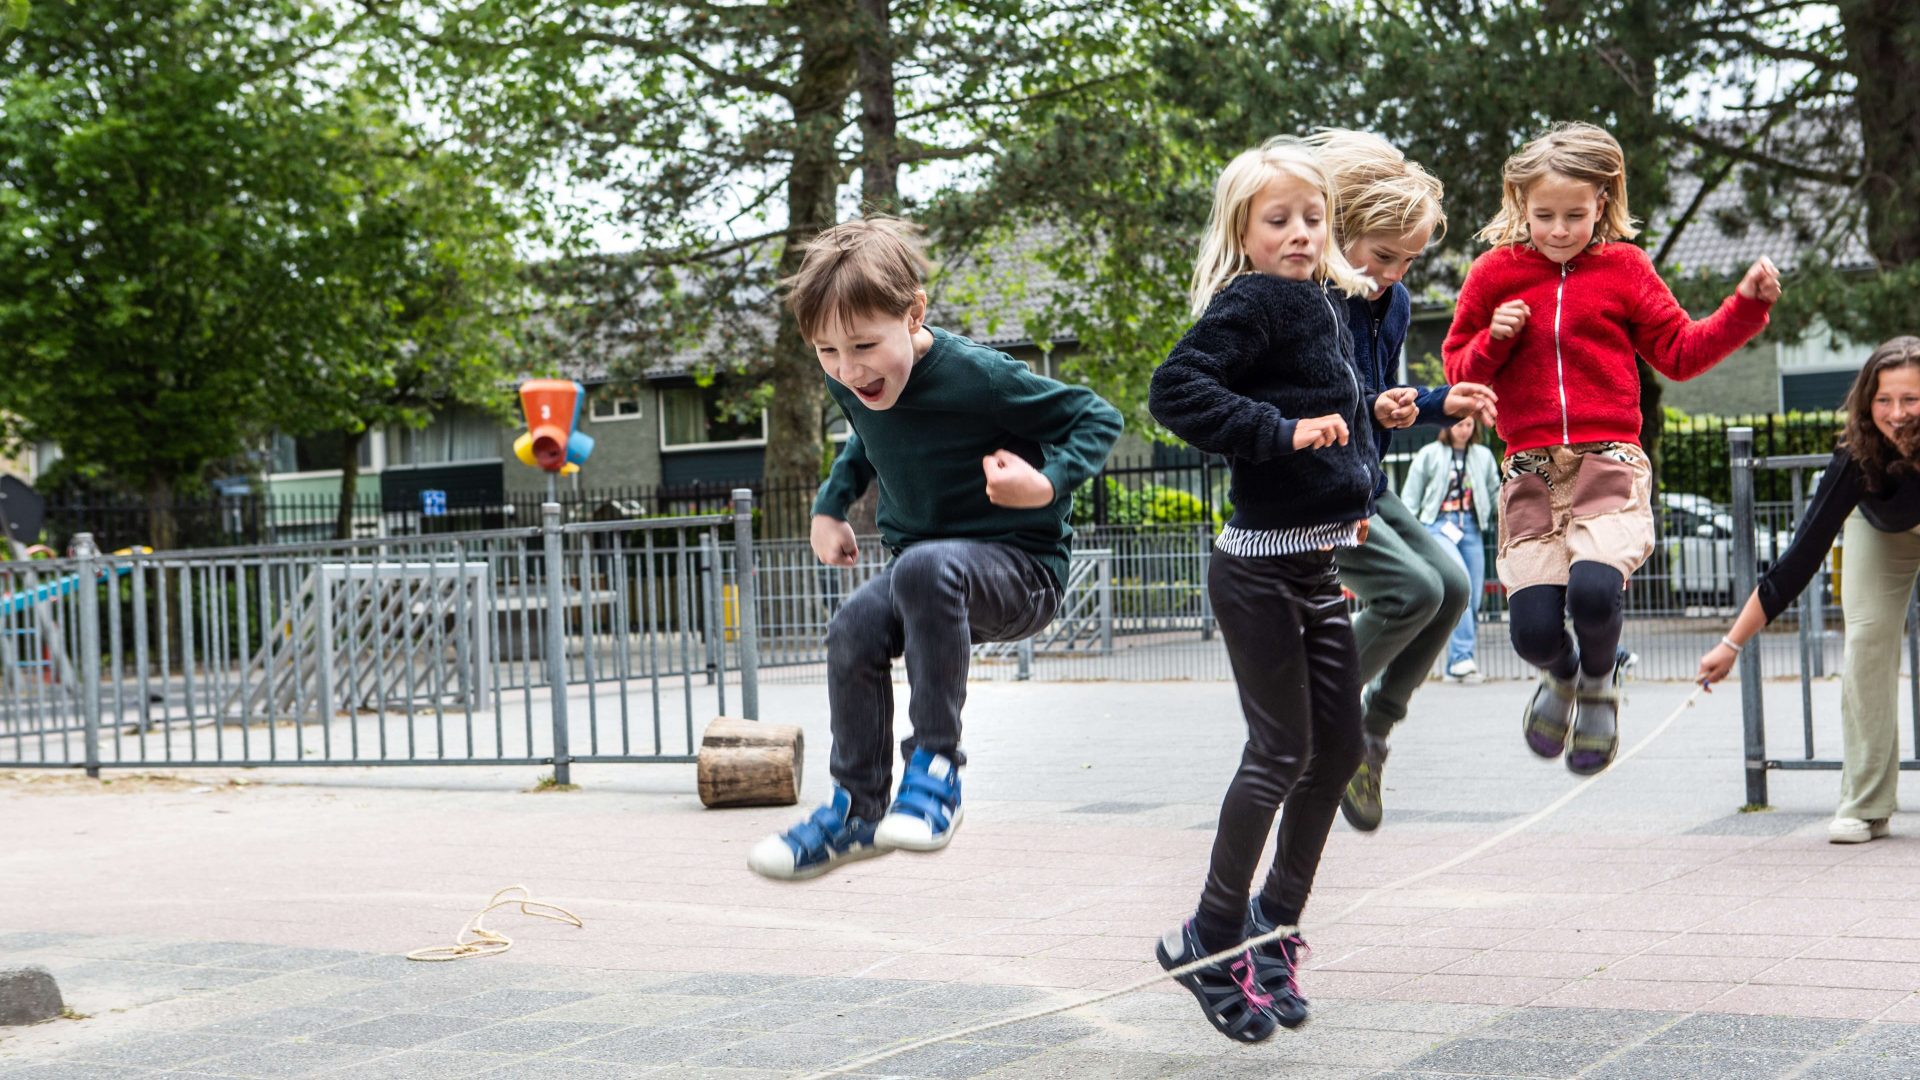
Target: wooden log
{"x":748,"y":763}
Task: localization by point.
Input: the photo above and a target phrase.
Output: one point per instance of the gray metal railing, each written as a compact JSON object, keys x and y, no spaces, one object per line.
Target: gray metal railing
{"x":438,"y":649}
{"x":1809,"y":614}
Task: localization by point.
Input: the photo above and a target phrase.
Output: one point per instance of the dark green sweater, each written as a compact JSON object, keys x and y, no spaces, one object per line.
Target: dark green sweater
{"x":963,"y":402}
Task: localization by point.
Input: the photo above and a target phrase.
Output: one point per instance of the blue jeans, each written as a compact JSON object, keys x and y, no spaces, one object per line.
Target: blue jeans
{"x":1474,"y":558}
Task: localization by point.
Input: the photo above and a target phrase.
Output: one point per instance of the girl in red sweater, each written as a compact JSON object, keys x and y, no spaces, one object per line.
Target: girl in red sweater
{"x":1552,"y":319}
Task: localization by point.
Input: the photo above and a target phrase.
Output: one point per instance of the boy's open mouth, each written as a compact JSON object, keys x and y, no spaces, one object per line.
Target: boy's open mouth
{"x":871,"y":391}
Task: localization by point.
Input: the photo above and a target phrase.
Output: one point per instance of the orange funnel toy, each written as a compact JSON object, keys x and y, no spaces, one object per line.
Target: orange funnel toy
{"x":553,"y":408}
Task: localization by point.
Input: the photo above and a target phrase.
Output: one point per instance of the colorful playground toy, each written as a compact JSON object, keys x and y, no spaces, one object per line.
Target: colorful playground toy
{"x":552,"y":409}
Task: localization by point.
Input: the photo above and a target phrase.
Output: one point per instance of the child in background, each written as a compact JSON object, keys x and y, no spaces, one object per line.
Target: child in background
{"x":1389,"y":212}
{"x":1267,"y":376}
{"x":977,"y":458}
{"x":1552,"y":318}
{"x":1451,"y":486}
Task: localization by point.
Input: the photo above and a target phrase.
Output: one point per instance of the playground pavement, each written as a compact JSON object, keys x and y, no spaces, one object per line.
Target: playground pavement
{"x":209,"y":927}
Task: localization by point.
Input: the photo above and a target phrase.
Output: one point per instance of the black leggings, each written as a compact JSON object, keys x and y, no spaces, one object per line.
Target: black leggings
{"x":1537,"y":620}
{"x":1287,"y":634}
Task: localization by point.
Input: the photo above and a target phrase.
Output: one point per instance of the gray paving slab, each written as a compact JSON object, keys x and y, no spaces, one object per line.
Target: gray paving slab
{"x":291,"y":1022}
{"x":208,"y":953}
{"x":508,"y":1004}
{"x":1080,"y":1063}
{"x":953,"y":1061}
{"x":287,"y":1059}
{"x":1895,"y":1040}
{"x":550,"y":1068}
{"x":979,"y":997}
{"x":655,"y":1046}
{"x":1515,"y":1057}
{"x":842,"y":991}
{"x":1844,"y":1066}
{"x":1757,"y":1032}
{"x":401,"y":1031}
{"x":166,"y":1051}
{"x":296,"y":959}
{"x":1720,"y":1063}
{"x":31,"y":940}
{"x":883,"y":1021}
{"x":1579,"y":1025}
{"x":787,"y":1051}
{"x":77,"y":1071}
{"x":721,"y":985}
{"x":758,"y":1014}
{"x":526,"y":1036}
{"x":415,"y":1065}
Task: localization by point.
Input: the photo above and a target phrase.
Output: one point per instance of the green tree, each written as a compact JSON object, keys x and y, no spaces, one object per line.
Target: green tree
{"x":423,"y":285}
{"x":728,"y":134}
{"x":157,"y":166}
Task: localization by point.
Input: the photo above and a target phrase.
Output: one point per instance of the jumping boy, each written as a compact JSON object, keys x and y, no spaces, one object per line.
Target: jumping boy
{"x":977,"y":458}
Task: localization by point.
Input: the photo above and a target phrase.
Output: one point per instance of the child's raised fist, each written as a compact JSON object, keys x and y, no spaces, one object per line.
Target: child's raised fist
{"x":1395,"y":408}
{"x":1762,"y":281}
{"x":1509,"y":318}
{"x":1318,"y":431}
{"x":833,"y":541}
{"x":1011,"y":482}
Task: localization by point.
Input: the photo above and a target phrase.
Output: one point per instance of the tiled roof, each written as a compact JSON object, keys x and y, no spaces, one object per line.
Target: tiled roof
{"x":1711,"y":244}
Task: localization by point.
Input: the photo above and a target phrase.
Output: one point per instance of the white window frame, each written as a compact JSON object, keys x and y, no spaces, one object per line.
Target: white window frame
{"x":686,"y":448}
{"x":595,"y":400}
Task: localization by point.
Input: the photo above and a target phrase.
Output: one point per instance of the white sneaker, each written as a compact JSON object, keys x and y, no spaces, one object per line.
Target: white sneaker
{"x":1465,"y":671}
{"x":1850,"y":830}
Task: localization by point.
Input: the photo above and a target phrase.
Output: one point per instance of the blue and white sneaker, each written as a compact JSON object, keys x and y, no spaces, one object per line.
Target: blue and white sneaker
{"x":926,"y":811}
{"x":827,"y":838}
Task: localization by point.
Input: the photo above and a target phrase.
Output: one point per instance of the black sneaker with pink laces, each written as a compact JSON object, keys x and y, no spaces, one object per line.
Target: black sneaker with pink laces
{"x":1229,"y":991}
{"x":1282,"y":964}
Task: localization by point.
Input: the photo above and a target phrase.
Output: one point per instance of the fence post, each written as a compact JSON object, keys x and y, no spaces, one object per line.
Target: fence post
{"x":1025,"y":654}
{"x":555,"y":547}
{"x":747,"y":578}
{"x":1105,"y":568}
{"x":1752,"y":709}
{"x":88,"y":602}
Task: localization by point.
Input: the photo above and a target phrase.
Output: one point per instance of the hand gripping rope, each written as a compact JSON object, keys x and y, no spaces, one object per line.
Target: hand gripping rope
{"x":1279,"y":931}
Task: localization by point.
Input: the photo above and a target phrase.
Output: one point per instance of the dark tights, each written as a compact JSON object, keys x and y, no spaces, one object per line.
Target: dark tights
{"x":1537,"y":620}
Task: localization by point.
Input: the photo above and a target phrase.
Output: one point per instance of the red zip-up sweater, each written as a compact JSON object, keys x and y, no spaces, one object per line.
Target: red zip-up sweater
{"x":1568,"y":376}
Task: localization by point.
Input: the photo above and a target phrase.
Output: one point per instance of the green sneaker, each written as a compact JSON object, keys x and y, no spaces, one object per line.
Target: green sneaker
{"x":1360,"y":805}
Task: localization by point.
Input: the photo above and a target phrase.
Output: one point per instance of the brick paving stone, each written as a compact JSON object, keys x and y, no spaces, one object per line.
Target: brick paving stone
{"x":1669,"y":1062}
{"x":1517,"y":1057}
{"x":1827,"y":1001}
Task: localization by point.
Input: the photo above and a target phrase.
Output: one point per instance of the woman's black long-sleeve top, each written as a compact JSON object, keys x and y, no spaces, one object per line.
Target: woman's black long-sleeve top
{"x":1841,"y":490}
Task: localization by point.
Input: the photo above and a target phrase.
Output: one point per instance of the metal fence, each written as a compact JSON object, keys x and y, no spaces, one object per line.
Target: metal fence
{"x":1802,"y":636}
{"x":584,"y":642}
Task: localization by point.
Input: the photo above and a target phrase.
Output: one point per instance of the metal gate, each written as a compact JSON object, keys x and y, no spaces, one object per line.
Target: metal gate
{"x":1808,"y":612}
{"x":581,"y":642}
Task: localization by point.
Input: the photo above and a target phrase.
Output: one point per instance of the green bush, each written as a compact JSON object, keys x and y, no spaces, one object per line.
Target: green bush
{"x":1148,"y":504}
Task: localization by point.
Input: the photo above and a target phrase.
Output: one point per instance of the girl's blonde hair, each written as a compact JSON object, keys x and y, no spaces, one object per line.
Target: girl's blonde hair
{"x":1380,"y":190}
{"x":1578,"y":152}
{"x":1223,"y":253}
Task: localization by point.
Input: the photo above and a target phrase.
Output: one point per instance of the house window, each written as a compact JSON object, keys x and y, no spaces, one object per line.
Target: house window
{"x":458,"y":434}
{"x":605,"y":405}
{"x":691,"y":417}
{"x":316,"y":453}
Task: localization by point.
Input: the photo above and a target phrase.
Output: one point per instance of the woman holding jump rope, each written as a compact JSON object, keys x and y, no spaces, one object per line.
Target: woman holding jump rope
{"x":1871,"y":489}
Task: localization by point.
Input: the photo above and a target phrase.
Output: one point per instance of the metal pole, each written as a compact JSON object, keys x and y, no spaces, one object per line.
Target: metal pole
{"x":1804,"y":610}
{"x":1104,"y":566}
{"x":86,"y":598}
{"x":1752,"y":709}
{"x":556,"y":636}
{"x":746,"y":576}
{"x":1025,"y":653}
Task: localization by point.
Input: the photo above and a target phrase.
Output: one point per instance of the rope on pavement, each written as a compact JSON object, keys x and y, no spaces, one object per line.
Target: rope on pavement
{"x":1279,"y":932}
{"x":485,"y":942}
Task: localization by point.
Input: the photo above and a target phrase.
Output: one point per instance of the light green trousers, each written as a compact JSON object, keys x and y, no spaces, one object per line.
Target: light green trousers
{"x":1877,"y":579}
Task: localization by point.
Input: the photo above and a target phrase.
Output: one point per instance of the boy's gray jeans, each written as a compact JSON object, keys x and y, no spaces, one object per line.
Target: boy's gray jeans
{"x":933,"y":602}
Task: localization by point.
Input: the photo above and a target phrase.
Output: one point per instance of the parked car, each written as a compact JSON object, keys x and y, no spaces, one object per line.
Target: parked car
{"x":1698,"y":537}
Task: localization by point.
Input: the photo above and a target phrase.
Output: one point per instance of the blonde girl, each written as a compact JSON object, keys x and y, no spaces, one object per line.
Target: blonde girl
{"x":1267,"y":377}
{"x":1551,"y":318}
{"x":1415,"y":592}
